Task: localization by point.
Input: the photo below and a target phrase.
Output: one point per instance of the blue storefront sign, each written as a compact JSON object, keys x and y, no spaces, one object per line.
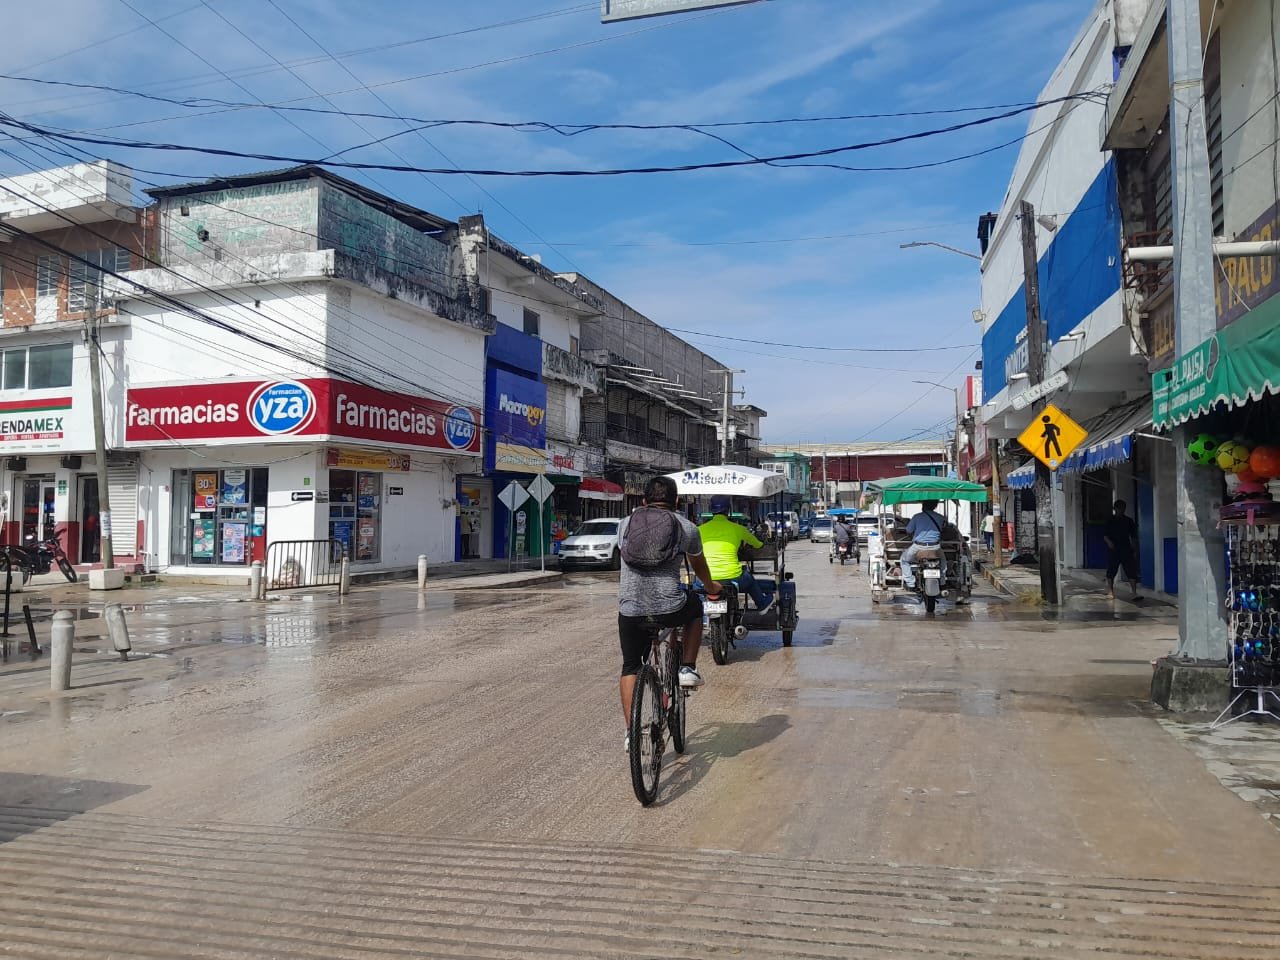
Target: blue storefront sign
{"x":516,"y":416}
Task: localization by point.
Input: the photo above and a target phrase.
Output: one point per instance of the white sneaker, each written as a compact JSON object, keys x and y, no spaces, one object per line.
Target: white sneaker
{"x":690,"y":677}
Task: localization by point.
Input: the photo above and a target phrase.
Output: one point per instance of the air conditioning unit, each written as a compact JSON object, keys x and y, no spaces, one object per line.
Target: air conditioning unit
{"x":16,"y":464}
{"x":71,"y":461}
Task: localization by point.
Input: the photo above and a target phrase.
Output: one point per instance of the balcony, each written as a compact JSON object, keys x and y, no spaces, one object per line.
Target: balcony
{"x":83,"y":193}
{"x":559,"y":364}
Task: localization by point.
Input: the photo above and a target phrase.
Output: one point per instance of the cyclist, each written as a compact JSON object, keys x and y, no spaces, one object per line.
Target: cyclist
{"x":654,"y":542}
{"x":721,"y":540}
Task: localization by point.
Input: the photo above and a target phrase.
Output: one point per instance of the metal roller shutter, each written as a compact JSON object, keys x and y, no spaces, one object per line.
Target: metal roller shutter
{"x":122,"y":483}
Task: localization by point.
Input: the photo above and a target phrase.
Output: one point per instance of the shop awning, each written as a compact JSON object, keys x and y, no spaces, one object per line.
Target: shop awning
{"x":1111,"y":436}
{"x":597,"y":488}
{"x":1024,"y":478}
{"x":1241,"y":362}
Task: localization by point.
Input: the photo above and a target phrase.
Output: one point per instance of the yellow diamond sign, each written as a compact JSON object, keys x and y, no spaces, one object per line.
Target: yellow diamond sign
{"x":1052,"y":436}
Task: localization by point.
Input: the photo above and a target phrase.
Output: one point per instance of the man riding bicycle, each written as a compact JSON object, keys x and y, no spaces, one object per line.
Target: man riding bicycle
{"x":655,"y":541}
{"x":721,"y":541}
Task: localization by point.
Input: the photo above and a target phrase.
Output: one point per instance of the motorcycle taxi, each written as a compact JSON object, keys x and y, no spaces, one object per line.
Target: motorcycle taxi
{"x":946,"y":570}
{"x":728,"y":618}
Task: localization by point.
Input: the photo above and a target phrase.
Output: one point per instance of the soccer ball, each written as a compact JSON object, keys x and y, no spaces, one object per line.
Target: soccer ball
{"x":1232,"y":456}
{"x":1203,"y":449}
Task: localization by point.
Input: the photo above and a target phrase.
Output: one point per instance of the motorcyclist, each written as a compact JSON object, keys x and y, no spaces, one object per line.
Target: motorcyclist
{"x":841,"y":533}
{"x":721,"y":540}
{"x":925,"y":530}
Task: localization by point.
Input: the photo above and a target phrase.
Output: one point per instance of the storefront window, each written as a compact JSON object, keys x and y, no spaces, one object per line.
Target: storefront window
{"x":355,"y":512}
{"x":225,"y":511}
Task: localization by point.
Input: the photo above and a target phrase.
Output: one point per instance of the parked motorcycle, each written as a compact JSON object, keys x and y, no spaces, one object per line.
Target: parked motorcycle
{"x":37,"y":557}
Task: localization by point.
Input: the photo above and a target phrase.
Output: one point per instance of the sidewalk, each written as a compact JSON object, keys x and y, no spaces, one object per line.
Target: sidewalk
{"x":1081,"y":589}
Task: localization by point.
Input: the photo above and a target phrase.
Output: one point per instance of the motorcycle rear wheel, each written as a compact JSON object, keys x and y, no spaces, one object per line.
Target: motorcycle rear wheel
{"x":719,"y":637}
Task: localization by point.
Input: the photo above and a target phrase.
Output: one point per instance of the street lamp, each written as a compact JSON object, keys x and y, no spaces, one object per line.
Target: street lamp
{"x":931,"y":243}
{"x":931,"y":383}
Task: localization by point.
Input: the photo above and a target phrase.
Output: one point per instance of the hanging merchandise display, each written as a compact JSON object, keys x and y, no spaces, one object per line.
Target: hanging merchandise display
{"x":1253,"y":601}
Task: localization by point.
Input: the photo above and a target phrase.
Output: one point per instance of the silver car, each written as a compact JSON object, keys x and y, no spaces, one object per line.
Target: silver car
{"x":820,"y":529}
{"x":594,"y":544}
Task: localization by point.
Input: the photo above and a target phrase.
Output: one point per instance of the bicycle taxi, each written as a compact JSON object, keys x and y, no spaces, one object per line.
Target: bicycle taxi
{"x":885,"y":550}
{"x":768,"y":564}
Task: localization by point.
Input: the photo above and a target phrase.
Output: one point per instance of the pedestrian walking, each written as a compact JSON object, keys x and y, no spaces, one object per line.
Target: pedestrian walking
{"x":1121,"y":536}
{"x":989,"y":531}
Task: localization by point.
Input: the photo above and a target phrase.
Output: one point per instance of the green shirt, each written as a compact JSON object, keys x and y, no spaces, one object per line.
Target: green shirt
{"x":721,"y":538}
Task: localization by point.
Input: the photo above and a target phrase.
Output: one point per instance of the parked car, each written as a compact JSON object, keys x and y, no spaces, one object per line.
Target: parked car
{"x":820,"y":529}
{"x":805,"y":522}
{"x":786,"y":523}
{"x":593,"y":544}
{"x":864,"y":524}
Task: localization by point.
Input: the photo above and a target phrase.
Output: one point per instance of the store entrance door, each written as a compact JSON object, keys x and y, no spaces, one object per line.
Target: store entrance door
{"x":39,"y":499}
{"x":90,"y":532}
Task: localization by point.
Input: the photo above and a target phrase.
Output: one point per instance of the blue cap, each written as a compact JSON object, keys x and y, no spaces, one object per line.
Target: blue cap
{"x":719,"y":504}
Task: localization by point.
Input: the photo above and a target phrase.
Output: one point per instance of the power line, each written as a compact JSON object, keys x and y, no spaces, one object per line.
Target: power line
{"x":8,"y":120}
{"x":804,"y":346}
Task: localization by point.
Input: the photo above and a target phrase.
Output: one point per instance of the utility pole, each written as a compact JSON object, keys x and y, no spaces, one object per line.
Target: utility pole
{"x":1046,"y":532}
{"x":1201,"y":629}
{"x":729,"y":394}
{"x":997,"y":521}
{"x":99,"y":428}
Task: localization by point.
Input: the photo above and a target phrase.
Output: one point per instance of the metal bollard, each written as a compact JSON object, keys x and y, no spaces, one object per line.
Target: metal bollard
{"x":118,"y":629}
{"x":255,"y":580}
{"x":344,"y":578}
{"x":62,"y":640}
{"x":422,"y":571}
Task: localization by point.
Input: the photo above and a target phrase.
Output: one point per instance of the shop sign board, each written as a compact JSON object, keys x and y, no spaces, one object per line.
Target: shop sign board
{"x":516,"y":415}
{"x":344,"y":458}
{"x":301,"y":496}
{"x":1052,"y":436}
{"x":23,"y":421}
{"x":230,"y":412}
{"x":395,"y":491}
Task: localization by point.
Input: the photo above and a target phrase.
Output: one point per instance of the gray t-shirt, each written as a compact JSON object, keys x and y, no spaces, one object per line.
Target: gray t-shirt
{"x":652,"y":593}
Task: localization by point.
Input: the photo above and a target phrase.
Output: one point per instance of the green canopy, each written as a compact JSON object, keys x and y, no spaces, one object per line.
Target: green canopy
{"x":913,"y":489}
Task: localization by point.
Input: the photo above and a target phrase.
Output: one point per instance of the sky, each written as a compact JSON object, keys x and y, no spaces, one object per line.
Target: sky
{"x":806,"y":256}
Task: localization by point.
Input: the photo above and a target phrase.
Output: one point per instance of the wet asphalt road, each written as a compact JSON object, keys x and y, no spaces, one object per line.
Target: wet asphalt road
{"x":443,"y":775}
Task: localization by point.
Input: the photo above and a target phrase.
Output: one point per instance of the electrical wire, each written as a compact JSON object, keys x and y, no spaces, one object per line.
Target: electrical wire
{"x":10,"y":121}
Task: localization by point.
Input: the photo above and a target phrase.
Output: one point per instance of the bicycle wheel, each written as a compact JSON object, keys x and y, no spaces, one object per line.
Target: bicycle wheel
{"x":677,"y":699}
{"x":646,"y":735}
{"x":68,"y":571}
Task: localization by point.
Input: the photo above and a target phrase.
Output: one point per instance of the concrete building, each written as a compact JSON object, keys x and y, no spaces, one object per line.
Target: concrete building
{"x":839,"y":472}
{"x":69,"y":219}
{"x":304,"y":364}
{"x":1096,"y":365}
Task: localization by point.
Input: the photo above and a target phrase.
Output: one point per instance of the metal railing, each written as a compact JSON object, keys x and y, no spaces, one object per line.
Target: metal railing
{"x":303,"y":563}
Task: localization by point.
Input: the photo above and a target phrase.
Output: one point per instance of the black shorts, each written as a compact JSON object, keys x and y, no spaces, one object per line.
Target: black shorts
{"x":636,"y":634}
{"x":1117,"y":560}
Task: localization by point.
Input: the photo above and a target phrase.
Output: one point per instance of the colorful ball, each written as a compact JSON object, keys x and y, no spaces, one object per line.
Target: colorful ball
{"x":1203,"y":449}
{"x":1247,"y":475}
{"x":1232,"y":457}
{"x":1265,"y":461}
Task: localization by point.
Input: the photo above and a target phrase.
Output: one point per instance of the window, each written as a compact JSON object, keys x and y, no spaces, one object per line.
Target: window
{"x":573,"y":346}
{"x":218,"y":514}
{"x":530,"y":322}
{"x":355,"y":512}
{"x":36,"y":368}
{"x":84,"y":285}
{"x":47,"y":272}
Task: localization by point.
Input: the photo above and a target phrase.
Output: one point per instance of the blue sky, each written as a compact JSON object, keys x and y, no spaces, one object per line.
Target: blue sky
{"x":683,"y":248}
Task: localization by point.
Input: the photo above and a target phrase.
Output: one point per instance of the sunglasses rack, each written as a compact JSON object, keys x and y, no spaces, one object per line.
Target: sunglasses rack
{"x":1253,"y":605}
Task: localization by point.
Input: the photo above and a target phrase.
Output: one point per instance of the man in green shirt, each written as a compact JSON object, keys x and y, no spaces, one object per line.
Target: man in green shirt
{"x":721,"y":540}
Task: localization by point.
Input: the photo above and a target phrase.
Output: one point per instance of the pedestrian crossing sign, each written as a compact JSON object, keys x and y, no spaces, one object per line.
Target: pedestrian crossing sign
{"x":1052,"y":436}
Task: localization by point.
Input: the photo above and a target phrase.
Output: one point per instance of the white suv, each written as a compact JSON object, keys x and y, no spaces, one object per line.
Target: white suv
{"x":594,"y":544}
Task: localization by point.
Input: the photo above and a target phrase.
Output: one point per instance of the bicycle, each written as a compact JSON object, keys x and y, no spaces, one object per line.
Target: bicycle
{"x":658,"y":706}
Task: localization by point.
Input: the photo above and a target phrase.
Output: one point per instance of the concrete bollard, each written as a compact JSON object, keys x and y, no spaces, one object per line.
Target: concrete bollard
{"x":344,"y":578}
{"x":255,"y":580}
{"x":118,"y":629}
{"x":422,"y":571}
{"x":62,"y":640}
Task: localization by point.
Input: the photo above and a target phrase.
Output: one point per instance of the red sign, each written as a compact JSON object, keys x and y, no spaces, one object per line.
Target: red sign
{"x":314,"y":408}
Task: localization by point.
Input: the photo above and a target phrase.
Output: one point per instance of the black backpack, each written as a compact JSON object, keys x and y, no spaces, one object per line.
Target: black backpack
{"x":652,"y":538}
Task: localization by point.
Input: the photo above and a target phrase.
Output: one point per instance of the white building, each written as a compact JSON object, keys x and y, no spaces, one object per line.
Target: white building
{"x":306,"y":365}
{"x":1095,"y":369}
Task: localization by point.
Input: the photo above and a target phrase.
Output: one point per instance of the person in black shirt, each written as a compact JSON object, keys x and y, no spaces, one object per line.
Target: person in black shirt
{"x":1121,"y":535}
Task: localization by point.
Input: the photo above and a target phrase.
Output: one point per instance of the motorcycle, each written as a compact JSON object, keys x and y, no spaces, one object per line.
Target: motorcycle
{"x":928,"y":563}
{"x":37,"y":558}
{"x":722,"y":617}
{"x":843,"y":551}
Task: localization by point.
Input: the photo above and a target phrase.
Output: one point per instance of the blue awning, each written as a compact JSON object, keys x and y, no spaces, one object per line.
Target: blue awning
{"x":1114,"y":430}
{"x":1023,"y":478}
